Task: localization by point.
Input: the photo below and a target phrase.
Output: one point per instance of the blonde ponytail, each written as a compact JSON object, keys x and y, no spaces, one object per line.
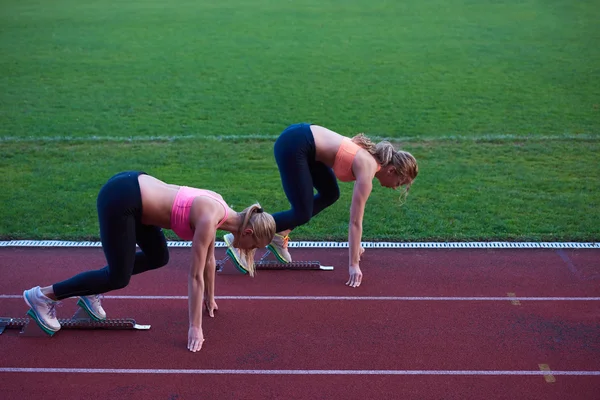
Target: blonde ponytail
{"x":263,"y":228}
{"x":382,"y":151}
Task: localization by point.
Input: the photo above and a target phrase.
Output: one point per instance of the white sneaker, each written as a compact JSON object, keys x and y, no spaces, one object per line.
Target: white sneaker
{"x":43,"y":310}
{"x":279,"y":247}
{"x":91,"y":305}
{"x":234,"y":254}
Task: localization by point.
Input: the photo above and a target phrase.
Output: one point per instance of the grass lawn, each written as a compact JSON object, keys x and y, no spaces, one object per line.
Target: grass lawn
{"x":518,"y":83}
{"x":533,"y":190}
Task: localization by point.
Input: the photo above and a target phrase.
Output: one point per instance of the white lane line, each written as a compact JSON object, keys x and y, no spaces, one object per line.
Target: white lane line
{"x":344,"y":298}
{"x":341,"y":245}
{"x":289,"y":371}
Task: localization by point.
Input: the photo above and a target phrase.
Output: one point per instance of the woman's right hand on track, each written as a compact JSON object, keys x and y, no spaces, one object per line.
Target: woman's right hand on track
{"x":195,"y":339}
{"x":355,"y":276}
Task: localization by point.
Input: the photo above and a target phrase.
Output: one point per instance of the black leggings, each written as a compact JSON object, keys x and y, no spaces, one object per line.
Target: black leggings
{"x":295,"y":155}
{"x":119,"y":213}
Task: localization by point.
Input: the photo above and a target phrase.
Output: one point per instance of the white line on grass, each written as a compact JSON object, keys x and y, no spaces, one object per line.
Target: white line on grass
{"x":264,"y":137}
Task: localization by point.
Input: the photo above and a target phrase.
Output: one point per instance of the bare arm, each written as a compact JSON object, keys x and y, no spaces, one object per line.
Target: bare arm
{"x":209,"y":279}
{"x":360,"y":195}
{"x":203,"y":236}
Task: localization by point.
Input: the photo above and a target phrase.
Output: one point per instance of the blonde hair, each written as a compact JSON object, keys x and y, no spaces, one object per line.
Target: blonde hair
{"x":263,"y":229}
{"x":385,"y":154}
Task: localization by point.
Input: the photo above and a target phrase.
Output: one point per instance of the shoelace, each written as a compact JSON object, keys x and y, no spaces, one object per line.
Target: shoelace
{"x":52,"y":308}
{"x":285,"y":241}
{"x":97,"y":298}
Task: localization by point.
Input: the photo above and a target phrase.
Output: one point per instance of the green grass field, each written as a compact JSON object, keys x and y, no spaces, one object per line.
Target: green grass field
{"x":498,"y":100}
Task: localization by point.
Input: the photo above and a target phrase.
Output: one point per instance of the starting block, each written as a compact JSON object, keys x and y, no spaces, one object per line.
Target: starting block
{"x":80,"y":320}
{"x":265,"y":264}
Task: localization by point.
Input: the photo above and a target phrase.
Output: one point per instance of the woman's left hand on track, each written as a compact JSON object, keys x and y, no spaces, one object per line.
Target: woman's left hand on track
{"x":211,"y":307}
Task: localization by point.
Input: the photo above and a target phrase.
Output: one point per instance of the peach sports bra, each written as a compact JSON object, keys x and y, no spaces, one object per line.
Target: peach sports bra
{"x":342,"y":166}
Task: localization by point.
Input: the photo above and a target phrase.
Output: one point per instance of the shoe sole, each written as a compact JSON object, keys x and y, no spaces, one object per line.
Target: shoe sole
{"x":37,"y":319}
{"x":236,"y":262}
{"x":81,"y":303}
{"x":227,"y":242}
{"x":276,"y":254}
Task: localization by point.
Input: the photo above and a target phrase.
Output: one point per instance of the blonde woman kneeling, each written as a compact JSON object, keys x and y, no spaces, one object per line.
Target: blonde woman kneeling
{"x":132,"y":208}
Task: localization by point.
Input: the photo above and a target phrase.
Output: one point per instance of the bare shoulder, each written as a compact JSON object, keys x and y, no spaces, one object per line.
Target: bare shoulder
{"x":364,"y":165}
{"x":204,"y":219}
{"x":205,"y":211}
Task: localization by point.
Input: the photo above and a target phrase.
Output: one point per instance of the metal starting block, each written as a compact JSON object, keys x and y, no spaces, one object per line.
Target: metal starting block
{"x":265,"y":264}
{"x":80,"y":320}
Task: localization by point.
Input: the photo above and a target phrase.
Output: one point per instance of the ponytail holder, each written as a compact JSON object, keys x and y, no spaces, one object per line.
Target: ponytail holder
{"x":259,"y":210}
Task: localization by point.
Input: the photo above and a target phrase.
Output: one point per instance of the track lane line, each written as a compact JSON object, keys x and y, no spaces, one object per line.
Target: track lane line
{"x":347,"y":298}
{"x":290,"y":371}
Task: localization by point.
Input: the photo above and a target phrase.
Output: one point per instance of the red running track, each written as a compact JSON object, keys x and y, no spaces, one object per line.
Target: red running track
{"x":443,"y":331}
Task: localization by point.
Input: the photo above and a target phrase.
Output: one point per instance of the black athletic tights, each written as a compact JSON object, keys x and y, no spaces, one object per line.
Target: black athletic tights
{"x":295,"y":155}
{"x":119,"y":213}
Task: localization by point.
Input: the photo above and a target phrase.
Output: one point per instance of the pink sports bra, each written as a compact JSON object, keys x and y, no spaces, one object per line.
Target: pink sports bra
{"x":180,"y":213}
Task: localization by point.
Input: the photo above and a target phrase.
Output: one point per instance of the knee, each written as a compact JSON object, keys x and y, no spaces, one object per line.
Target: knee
{"x":329,"y":196}
{"x":118,"y":282}
{"x":333,"y":195}
{"x":162,"y":259}
{"x":301,"y":217}
{"x":157,"y":259}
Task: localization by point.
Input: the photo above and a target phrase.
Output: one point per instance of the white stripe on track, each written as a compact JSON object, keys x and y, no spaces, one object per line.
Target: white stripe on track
{"x":345,"y":298}
{"x":291,"y":371}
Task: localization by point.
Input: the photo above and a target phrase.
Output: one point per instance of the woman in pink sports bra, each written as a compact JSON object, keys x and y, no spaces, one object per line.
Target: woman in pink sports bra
{"x":310,"y":156}
{"x":133,"y":208}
